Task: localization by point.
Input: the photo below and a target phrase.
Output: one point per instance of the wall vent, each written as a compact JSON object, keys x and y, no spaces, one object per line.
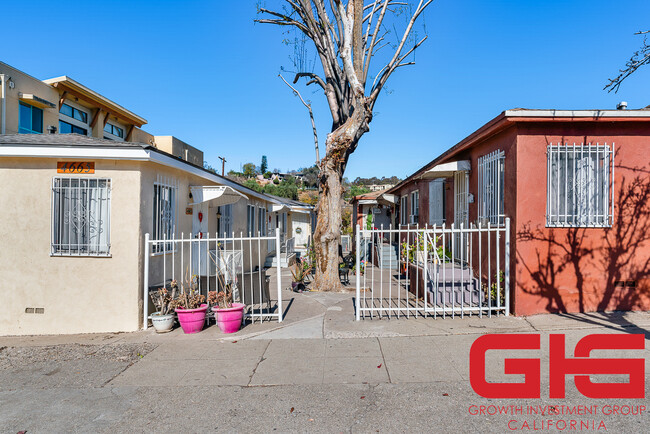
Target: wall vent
{"x":37,"y":310}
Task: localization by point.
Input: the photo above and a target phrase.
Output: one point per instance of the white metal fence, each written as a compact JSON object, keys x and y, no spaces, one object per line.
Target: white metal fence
{"x":440,"y":271}
{"x":210,"y":263}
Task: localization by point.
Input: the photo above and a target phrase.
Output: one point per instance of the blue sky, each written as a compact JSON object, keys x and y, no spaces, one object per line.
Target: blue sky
{"x":204,"y":72}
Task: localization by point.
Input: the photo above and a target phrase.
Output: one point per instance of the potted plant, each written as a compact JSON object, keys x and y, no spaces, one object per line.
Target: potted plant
{"x":190,"y":307}
{"x":163,"y":318}
{"x":229,"y":315}
{"x":299,"y":273}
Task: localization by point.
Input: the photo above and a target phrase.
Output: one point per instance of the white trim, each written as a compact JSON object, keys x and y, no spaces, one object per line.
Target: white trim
{"x":122,"y":153}
{"x":579,"y":113}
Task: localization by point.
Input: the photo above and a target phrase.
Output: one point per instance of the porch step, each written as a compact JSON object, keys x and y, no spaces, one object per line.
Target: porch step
{"x":285,"y":261}
{"x":456,"y":293}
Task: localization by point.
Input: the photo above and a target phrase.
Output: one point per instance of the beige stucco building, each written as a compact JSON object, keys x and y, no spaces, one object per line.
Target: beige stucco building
{"x":82,"y":184}
{"x":72,"y":244}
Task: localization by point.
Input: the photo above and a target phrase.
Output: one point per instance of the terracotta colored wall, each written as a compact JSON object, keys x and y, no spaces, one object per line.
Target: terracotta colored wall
{"x":574,"y":269}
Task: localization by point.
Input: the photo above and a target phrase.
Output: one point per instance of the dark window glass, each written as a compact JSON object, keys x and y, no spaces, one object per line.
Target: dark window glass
{"x":74,"y":113}
{"x":64,"y":128}
{"x":30,"y":120}
{"x":37,"y":120}
{"x":119,"y":132}
{"x":78,"y":130}
{"x":25,"y":122}
{"x":108,"y":129}
{"x":66,"y":110}
{"x":80,"y":116}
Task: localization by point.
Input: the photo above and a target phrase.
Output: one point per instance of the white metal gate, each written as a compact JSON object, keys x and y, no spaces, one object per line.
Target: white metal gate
{"x":238,"y":261}
{"x":429,"y":277}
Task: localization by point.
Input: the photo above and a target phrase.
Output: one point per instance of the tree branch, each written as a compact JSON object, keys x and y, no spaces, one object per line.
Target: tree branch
{"x":311,"y":114}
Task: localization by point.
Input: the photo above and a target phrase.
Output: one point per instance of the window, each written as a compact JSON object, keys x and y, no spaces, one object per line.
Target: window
{"x":403,"y":217}
{"x":164,"y":214}
{"x":490,"y":187}
{"x":250,"y":222}
{"x":580,"y":185}
{"x":114,"y":130}
{"x":225,"y":221}
{"x":415,"y":206}
{"x":261,"y":223}
{"x":66,"y":128}
{"x":74,"y":113}
{"x":30,"y":120}
{"x":81,"y":210}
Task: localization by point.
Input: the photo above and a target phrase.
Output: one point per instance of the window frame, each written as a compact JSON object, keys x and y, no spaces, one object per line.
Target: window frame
{"x":403,"y":208}
{"x":158,"y":230}
{"x":491,"y":200}
{"x":601,"y":188}
{"x":414,"y":208}
{"x":58,"y":220}
{"x":30,"y":130}
{"x":250,"y":219}
{"x":261,"y":222}
{"x":112,"y":130}
{"x":72,"y":127}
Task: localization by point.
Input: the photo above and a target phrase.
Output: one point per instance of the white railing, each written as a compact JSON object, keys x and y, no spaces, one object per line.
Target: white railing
{"x":211,"y":263}
{"x":443,"y":271}
{"x":289,"y":246}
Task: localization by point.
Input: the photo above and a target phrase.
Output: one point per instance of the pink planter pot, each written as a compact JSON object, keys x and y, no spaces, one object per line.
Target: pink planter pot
{"x":229,"y":319}
{"x":192,"y":320}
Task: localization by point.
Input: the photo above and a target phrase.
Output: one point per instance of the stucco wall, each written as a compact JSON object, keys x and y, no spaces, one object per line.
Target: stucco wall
{"x":27,"y":84}
{"x":562,"y":269}
{"x":161,"y":266}
{"x":78,"y":294}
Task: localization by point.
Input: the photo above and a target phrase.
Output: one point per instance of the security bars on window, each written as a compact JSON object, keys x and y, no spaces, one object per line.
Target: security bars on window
{"x":164,"y":212}
{"x":81,"y":210}
{"x":580,"y":185}
{"x":490,"y":188}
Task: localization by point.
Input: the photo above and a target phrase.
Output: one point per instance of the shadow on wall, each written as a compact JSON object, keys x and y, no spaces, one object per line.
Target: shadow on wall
{"x":606,"y":269}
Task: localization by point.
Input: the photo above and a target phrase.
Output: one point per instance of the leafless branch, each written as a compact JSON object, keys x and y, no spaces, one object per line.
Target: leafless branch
{"x":311,"y":114}
{"x":639,"y":58}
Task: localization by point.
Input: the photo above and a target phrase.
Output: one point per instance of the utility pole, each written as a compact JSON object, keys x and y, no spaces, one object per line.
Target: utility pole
{"x":223,"y":166}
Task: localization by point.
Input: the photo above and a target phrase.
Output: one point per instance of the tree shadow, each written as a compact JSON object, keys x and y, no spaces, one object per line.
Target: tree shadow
{"x":610,"y":266}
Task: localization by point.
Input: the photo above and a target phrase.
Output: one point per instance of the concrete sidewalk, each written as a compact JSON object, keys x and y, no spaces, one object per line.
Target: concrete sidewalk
{"x":318,"y":371}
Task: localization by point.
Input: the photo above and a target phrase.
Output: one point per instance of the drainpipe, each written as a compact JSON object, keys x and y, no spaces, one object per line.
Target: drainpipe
{"x":4,"y":103}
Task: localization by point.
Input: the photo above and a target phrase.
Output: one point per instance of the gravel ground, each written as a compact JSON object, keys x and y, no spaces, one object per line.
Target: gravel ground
{"x":14,"y":357}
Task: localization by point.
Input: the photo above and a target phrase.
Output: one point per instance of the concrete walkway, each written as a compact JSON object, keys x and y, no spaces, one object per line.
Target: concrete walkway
{"x":318,"y":371}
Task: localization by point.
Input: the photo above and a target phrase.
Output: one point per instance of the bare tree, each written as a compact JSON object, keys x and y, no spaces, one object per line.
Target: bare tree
{"x":346,"y":37}
{"x":639,"y":58}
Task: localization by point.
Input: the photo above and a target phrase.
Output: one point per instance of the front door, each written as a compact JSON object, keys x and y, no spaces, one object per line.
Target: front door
{"x":461,"y":214}
{"x":199,"y":231}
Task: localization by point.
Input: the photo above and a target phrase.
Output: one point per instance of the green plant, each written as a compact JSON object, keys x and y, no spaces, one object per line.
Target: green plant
{"x":369,"y":221}
{"x":300,"y":271}
{"x":494,"y":287}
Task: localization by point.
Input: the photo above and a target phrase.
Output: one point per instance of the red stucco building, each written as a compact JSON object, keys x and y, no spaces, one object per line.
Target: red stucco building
{"x":576,"y":187}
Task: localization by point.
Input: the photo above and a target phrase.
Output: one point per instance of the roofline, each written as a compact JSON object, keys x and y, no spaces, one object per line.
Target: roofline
{"x":128,"y":114}
{"x":509,"y":118}
{"x":141,"y":152}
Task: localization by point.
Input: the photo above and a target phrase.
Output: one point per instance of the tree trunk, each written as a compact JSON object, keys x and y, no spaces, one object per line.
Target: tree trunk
{"x":327,"y":237}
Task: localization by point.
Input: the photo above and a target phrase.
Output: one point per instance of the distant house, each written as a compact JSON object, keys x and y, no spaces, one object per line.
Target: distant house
{"x":575,"y":186}
{"x":296,"y":222}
